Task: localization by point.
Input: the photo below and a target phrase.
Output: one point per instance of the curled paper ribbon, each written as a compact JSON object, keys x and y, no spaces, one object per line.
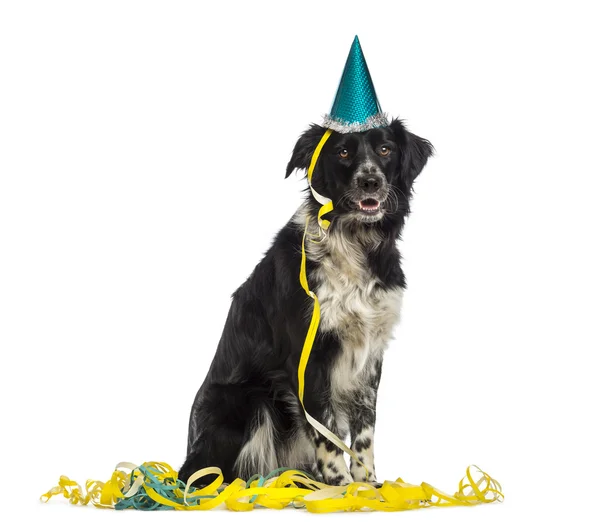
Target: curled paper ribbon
{"x":155,"y":486}
{"x":326,"y":204}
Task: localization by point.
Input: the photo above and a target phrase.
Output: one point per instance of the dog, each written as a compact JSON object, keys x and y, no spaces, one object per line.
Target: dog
{"x":246,"y":417}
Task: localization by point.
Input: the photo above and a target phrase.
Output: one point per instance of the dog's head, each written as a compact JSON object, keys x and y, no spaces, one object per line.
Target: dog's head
{"x":367,"y":175}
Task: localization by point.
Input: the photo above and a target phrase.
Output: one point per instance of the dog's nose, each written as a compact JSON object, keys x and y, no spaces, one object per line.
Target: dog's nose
{"x":370,"y":184}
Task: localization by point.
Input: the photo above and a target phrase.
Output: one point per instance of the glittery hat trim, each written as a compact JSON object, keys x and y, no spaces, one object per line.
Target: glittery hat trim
{"x":377,"y":120}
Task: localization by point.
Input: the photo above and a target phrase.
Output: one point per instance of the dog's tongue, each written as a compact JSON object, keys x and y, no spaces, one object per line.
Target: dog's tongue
{"x":369,"y":204}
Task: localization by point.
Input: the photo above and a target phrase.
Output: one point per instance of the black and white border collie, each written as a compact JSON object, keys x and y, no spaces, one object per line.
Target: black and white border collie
{"x":246,"y":417}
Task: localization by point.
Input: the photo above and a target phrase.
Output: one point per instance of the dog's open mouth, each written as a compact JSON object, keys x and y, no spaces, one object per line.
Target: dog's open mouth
{"x":369,"y":206}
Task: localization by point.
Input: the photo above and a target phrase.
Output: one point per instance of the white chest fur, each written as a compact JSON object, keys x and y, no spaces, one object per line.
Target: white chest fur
{"x":355,"y":307}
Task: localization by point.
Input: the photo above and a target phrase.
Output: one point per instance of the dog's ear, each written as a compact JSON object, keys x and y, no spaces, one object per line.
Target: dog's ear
{"x":414,"y":152}
{"x":305,"y":147}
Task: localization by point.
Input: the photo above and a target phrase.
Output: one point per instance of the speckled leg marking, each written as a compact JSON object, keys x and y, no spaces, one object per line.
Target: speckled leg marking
{"x":362,"y":430}
{"x":363,"y":447}
{"x":331,"y":463}
{"x":330,"y":458}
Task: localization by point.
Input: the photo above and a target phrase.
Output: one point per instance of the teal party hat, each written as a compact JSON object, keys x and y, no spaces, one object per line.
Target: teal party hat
{"x":355,"y":108}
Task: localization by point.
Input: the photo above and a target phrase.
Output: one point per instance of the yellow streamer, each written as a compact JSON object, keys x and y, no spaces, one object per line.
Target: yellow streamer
{"x":316,"y":314}
{"x":305,"y":355}
{"x":327,"y":204}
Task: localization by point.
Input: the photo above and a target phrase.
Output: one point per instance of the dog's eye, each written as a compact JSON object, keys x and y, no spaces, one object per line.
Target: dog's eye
{"x":343,"y":153}
{"x":384,"y":150}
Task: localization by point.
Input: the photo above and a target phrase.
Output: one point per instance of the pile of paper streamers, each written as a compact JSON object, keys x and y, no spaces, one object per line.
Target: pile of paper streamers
{"x":155,"y":486}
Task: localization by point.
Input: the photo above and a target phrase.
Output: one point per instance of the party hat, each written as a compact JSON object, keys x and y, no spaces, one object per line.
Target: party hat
{"x":355,"y":108}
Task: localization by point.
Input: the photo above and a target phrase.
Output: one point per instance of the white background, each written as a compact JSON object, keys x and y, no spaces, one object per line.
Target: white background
{"x":142,"y":152}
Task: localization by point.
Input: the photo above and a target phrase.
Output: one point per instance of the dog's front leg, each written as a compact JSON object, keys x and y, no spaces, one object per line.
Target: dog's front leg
{"x":330,"y":458}
{"x":362,"y":431}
